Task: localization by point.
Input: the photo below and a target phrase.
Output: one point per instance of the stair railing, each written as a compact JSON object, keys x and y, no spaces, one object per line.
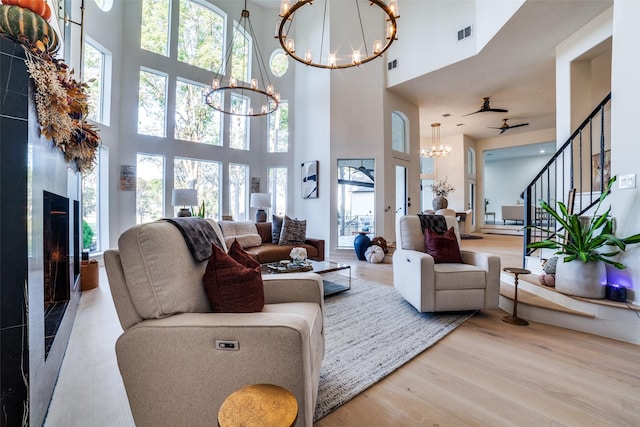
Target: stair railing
{"x":582,"y":163}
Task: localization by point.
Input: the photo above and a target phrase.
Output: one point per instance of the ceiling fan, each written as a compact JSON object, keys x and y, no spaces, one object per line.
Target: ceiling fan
{"x":486,"y":108}
{"x":505,"y":126}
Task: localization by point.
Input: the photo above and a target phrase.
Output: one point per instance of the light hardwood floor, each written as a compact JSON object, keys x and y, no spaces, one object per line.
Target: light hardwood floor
{"x":485,"y":373}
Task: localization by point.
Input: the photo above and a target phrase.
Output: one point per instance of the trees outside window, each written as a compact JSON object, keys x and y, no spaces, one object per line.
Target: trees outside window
{"x":238,"y":190}
{"x":195,"y":120}
{"x":277,"y":183}
{"x":152,"y":103}
{"x":241,"y":54}
{"x":239,"y":132}
{"x":154,"y":31}
{"x":279,"y":129}
{"x":201,"y":36}
{"x":149,"y":187}
{"x":202,"y":175}
{"x":91,"y":208}
{"x":93,"y":72}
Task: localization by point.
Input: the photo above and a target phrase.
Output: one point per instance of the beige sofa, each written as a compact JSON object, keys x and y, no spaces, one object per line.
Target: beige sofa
{"x":256,"y":239}
{"x":512,"y":213}
{"x":173,"y":370}
{"x":431,"y":287}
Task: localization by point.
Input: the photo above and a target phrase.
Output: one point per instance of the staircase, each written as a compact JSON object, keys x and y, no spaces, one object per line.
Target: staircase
{"x":572,"y":176}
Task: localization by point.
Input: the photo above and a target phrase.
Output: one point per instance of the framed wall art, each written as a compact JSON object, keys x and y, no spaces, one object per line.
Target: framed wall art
{"x":310,"y":180}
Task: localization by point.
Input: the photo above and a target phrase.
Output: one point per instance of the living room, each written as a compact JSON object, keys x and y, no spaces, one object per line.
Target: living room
{"x":341,"y":115}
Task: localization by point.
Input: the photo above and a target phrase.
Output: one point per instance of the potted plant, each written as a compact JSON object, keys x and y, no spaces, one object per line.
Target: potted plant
{"x":441,"y":189}
{"x":581,"y":248}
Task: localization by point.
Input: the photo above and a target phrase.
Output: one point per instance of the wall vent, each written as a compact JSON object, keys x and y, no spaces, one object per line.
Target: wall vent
{"x":464,"y":33}
{"x":392,"y":64}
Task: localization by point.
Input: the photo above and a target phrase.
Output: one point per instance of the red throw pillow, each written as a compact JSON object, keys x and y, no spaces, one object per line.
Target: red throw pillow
{"x":231,"y":286}
{"x":442,"y":247}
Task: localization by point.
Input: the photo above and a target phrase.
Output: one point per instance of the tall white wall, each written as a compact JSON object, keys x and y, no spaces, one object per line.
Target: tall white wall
{"x":624,"y":135}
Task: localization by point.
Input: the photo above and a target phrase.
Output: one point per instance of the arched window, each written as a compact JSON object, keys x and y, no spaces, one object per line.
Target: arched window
{"x":399,"y":132}
{"x":201,"y":35}
{"x":279,"y":63}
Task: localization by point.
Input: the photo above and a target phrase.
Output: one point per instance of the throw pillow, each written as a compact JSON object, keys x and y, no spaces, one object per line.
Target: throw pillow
{"x":436,"y":223}
{"x":232,"y":287}
{"x":294,"y":231}
{"x":276,"y":228}
{"x":442,"y":247}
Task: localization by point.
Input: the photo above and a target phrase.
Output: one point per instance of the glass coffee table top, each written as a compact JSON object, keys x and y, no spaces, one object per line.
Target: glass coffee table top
{"x":320,"y":267}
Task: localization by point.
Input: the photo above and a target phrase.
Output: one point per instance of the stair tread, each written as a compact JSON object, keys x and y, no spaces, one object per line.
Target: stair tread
{"x":533,"y":278}
{"x":525,"y":297}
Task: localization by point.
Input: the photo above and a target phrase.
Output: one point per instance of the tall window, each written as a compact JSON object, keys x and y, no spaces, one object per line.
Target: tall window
{"x":356,"y":199}
{"x":91,"y":208}
{"x":279,"y":129}
{"x":94,"y":73}
{"x":204,"y":176}
{"x":238,"y":186}
{"x":152,"y":105}
{"x":149,"y":187}
{"x":241,"y":54}
{"x":238,"y":133}
{"x":201,"y":35}
{"x":277,"y":182}
{"x":399,"y":132}
{"x":195,"y":120}
{"x":154,"y":33}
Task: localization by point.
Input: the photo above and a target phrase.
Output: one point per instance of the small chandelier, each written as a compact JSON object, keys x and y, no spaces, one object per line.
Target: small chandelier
{"x":437,"y":149}
{"x":262,"y":89}
{"x":324,"y":56}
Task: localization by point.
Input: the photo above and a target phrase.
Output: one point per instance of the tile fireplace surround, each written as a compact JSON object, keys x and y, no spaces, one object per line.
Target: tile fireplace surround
{"x":39,"y":250}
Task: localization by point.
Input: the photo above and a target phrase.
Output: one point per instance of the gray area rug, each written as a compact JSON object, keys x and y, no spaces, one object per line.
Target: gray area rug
{"x":370,"y":332}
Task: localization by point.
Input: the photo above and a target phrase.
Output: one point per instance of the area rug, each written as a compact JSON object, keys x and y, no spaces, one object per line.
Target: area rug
{"x":371,"y":331}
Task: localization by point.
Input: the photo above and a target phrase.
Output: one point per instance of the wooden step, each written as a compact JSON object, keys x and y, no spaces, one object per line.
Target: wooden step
{"x":507,"y":290}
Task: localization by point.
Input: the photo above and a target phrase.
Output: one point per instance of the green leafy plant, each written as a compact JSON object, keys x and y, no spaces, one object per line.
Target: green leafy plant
{"x":87,"y":235}
{"x":582,"y":240}
{"x":201,"y":211}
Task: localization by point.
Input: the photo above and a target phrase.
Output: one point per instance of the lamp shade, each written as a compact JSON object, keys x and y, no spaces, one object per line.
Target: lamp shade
{"x":260,"y":200}
{"x":184,"y":197}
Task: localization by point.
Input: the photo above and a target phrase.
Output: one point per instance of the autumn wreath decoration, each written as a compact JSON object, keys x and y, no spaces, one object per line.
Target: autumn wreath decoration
{"x":61,"y":101}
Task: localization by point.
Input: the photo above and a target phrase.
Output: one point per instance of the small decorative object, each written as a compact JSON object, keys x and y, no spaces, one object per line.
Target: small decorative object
{"x":486,"y":204}
{"x":360,"y":244}
{"x":298,"y":254}
{"x":310,"y":180}
{"x":374,"y":254}
{"x":547,"y":279}
{"x":616,"y":293}
{"x":127,"y":178}
{"x":441,"y":189}
{"x":380,"y":241}
{"x":581,"y":266}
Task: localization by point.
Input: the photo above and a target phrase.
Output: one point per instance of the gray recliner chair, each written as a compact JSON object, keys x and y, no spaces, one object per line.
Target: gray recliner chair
{"x":431,"y":287}
{"x":174,"y":373}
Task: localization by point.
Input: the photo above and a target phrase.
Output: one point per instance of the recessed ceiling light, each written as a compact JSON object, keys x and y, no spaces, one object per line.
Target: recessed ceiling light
{"x":460,"y":124}
{"x":446,"y":115}
{"x":541,"y":151}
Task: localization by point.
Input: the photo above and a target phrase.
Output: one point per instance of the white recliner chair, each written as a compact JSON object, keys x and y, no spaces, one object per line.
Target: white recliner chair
{"x":174,"y":373}
{"x":431,"y":287}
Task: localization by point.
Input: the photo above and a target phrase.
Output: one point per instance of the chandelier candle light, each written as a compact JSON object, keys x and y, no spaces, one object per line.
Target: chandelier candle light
{"x":437,"y":149}
{"x":257,"y":88}
{"x":363,"y":51}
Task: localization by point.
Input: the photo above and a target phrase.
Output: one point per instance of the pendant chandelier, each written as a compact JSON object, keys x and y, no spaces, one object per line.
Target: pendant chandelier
{"x":258,"y":88}
{"x":437,"y":149}
{"x":316,"y":54}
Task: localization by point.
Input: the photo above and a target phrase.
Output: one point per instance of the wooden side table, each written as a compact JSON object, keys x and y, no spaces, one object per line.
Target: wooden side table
{"x":514,"y":319}
{"x":259,"y":405}
{"x":490,"y":214}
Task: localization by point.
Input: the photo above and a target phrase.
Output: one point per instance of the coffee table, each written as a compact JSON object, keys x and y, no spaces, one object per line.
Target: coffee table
{"x":322,"y":267}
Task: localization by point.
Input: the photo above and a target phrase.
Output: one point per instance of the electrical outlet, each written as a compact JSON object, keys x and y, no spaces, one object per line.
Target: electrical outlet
{"x":627,"y":181}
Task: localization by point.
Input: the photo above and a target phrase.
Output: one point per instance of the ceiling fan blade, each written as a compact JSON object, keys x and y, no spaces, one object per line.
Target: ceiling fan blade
{"x":475,"y":112}
{"x":497,"y":110}
{"x":517,"y":126}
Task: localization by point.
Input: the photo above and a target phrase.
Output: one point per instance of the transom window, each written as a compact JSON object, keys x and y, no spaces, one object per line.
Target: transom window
{"x":154,"y":32}
{"x":241,"y":54}
{"x":201,"y":35}
{"x":152,"y":103}
{"x":279,"y":129}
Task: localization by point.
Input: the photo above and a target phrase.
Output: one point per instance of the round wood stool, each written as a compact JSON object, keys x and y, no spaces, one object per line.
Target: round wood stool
{"x":259,"y":405}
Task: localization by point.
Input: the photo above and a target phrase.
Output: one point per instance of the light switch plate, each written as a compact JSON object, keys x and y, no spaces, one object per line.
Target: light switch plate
{"x":627,"y":181}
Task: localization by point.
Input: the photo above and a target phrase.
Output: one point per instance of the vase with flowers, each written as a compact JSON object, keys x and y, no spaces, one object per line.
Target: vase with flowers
{"x":441,"y":190}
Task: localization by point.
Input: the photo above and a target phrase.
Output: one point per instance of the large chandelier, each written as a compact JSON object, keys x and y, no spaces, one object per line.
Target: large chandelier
{"x":260,"y":89}
{"x":436,"y":149}
{"x":316,"y":54}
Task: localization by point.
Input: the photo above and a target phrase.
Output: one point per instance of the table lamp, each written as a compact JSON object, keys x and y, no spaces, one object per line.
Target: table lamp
{"x":184,"y":197}
{"x":260,"y":201}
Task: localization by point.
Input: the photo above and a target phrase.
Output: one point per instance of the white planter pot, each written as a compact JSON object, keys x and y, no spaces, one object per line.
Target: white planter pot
{"x":579,"y":279}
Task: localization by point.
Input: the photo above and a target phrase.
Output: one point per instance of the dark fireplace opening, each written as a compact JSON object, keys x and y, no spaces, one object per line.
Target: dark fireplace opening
{"x":57,"y":264}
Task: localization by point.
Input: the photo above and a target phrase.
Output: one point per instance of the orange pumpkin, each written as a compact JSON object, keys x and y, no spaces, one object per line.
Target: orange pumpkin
{"x":36,"y":6}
